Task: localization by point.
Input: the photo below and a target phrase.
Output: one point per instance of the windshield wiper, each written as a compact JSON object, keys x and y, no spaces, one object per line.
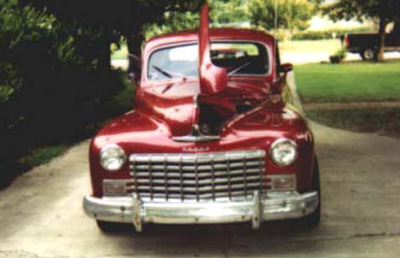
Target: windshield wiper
{"x":169,"y":74}
{"x":239,"y":68}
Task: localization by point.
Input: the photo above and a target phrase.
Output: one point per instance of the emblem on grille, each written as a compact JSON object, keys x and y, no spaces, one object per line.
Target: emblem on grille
{"x":195,"y":149}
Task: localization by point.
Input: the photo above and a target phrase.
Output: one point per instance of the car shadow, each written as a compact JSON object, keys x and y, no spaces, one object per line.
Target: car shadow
{"x":213,"y":239}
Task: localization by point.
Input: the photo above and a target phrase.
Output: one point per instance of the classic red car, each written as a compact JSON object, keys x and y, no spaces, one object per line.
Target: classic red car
{"x":214,"y":138}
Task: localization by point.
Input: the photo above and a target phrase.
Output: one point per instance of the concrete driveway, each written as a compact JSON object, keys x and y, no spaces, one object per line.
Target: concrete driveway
{"x":41,"y":213}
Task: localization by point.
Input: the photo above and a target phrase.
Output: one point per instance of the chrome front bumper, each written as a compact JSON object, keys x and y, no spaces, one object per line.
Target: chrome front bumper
{"x":273,"y":206}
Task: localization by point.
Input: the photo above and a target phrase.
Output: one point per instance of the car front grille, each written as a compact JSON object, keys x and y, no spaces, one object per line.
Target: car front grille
{"x":204,"y":176}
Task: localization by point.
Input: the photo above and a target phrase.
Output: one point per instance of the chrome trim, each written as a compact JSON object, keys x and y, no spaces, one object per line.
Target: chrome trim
{"x":198,"y":175}
{"x":260,"y":207}
{"x":199,"y":157}
{"x":131,"y":184}
{"x":137,"y":213}
{"x":257,"y":210}
{"x":196,"y":136}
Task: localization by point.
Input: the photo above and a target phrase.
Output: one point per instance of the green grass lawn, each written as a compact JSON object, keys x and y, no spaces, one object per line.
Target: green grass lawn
{"x":349,"y":82}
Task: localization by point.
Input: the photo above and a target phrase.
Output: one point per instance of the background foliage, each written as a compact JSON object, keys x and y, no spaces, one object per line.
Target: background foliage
{"x":292,"y":14}
{"x":385,"y":11}
{"x":53,"y":84}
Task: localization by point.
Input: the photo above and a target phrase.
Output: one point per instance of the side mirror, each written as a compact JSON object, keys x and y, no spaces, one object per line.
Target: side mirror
{"x":285,"y":68}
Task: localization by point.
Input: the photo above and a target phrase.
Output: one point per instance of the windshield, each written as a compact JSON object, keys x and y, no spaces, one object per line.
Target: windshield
{"x":182,"y":61}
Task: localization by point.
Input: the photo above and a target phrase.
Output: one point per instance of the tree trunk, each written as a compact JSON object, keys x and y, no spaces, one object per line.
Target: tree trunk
{"x":134,"y":43}
{"x":379,"y":56}
{"x":104,"y":54}
{"x":396,"y":29}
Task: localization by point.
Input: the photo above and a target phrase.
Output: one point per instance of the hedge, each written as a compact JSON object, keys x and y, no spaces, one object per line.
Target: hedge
{"x":54,"y":85}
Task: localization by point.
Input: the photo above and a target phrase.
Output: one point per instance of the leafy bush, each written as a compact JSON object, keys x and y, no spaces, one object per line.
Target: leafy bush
{"x":174,"y":21}
{"x":55,"y":81}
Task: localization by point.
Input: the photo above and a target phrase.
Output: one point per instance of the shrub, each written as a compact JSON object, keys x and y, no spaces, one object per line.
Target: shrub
{"x":54,"y":84}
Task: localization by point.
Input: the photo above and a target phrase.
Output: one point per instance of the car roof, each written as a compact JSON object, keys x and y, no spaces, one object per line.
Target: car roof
{"x":215,"y":34}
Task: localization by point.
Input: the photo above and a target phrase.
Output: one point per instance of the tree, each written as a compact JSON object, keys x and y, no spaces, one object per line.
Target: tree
{"x":291,"y":14}
{"x":125,"y":18}
{"x":233,"y":11}
{"x":396,"y":29}
{"x":52,"y":88}
{"x":384,"y":10}
{"x":178,"y":20}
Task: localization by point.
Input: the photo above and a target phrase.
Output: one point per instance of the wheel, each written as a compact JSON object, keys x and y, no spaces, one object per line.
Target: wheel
{"x":113,"y":227}
{"x":313,"y":219}
{"x":368,"y":54}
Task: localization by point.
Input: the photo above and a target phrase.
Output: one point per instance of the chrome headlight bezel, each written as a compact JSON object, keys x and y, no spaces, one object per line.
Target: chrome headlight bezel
{"x":112,"y":157}
{"x":280,"y":143}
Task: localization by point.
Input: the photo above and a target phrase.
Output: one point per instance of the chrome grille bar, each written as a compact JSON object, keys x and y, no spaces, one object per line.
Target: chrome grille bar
{"x":213,"y":177}
{"x":245,"y":175}
{"x":181,"y":176}
{"x":197,"y":181}
{"x":151,"y":177}
{"x":217,"y":166}
{"x":230,"y":179}
{"x":165,"y":177}
{"x":198,"y":176}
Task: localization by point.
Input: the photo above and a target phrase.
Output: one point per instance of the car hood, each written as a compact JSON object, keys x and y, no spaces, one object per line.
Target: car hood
{"x":139,"y":133}
{"x":180,"y":105}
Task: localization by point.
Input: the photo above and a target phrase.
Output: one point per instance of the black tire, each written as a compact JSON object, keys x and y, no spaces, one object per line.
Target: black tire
{"x":313,"y":219}
{"x":113,"y":227}
{"x":368,"y":54}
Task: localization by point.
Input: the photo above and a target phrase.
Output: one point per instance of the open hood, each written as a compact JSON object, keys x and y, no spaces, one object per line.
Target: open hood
{"x":213,"y":79}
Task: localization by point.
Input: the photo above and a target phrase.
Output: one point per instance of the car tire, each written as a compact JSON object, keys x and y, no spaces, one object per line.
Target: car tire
{"x":368,"y":54}
{"x":113,"y":227}
{"x":312,"y":220}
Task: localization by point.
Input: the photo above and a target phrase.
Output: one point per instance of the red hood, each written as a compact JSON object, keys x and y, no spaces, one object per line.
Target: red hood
{"x":213,"y":79}
{"x":174,"y":103}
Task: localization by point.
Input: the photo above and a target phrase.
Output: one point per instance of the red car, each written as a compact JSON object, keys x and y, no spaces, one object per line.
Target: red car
{"x":214,"y":138}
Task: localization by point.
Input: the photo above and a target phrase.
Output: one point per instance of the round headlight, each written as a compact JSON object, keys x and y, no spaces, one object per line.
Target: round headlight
{"x":283,"y":152}
{"x":112,"y":157}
